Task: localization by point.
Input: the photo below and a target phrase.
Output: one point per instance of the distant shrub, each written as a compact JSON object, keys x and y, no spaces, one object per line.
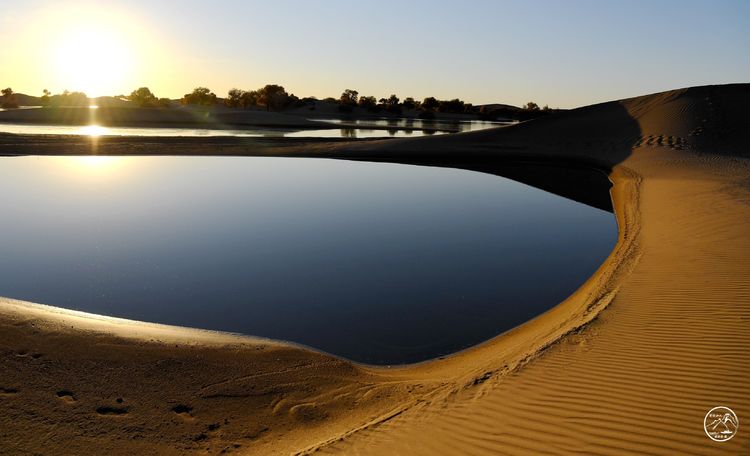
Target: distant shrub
{"x":9,"y":99}
{"x":249,"y":99}
{"x":200,"y":96}
{"x":143,"y":97}
{"x":453,"y":106}
{"x":69,"y":99}
{"x":234,"y":98}
{"x":430,"y":103}
{"x":273,"y":96}
{"x":369,"y":103}
{"x":44,"y":99}
{"x":349,"y":97}
{"x":409,"y":103}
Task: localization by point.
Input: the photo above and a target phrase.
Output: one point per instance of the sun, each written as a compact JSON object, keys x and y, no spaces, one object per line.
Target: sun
{"x":92,"y":59}
{"x":100,"y":48}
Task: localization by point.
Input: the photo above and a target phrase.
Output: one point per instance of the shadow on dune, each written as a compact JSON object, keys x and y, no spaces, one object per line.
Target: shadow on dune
{"x":569,"y":154}
{"x":572,"y":153}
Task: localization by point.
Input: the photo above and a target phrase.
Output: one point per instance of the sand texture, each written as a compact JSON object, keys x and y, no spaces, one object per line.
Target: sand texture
{"x":628,"y":364}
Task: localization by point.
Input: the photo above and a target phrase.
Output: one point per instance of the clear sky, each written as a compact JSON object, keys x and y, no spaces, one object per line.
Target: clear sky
{"x":564,"y":53}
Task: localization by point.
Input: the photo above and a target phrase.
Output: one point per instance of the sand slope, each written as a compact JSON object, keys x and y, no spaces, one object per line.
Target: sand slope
{"x":629,"y":364}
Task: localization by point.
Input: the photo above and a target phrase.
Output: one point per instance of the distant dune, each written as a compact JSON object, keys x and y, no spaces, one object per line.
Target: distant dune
{"x":628,"y":364}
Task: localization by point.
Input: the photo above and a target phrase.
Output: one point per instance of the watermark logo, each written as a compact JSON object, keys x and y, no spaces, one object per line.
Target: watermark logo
{"x":721,"y":424}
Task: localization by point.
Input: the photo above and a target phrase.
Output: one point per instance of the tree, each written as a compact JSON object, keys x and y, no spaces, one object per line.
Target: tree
{"x":369,"y":103}
{"x":200,"y":96}
{"x":68,"y":98}
{"x":143,"y":97}
{"x":392,"y":105}
{"x":45,"y":97}
{"x":9,"y":99}
{"x":349,"y":97}
{"x":249,"y":99}
{"x":455,"y":105}
{"x":234,"y":98}
{"x":273,"y":96}
{"x":430,"y":103}
{"x":531,"y":106}
{"x":409,"y":103}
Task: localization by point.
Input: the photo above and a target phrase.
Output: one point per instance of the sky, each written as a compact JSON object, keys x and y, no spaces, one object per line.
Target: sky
{"x":558,"y":53}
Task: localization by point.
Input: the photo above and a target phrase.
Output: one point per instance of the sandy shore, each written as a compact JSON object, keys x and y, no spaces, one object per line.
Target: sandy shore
{"x":629,"y":364}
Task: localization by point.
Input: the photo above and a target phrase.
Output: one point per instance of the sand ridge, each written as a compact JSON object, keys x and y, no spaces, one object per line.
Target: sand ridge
{"x":628,"y":364}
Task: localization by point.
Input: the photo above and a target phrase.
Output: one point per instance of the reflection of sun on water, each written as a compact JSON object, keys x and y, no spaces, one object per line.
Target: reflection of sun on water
{"x":94,"y":165}
{"x":93,"y":130}
{"x":94,"y":161}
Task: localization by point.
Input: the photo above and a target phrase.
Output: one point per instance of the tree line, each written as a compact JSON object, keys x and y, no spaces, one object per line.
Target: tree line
{"x":275,"y":97}
{"x":67,"y":98}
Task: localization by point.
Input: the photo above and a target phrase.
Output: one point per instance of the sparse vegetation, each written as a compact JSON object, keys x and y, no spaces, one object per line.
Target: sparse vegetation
{"x":68,"y":98}
{"x":143,"y":98}
{"x":44,"y":99}
{"x":370,"y":103}
{"x":271,"y":96}
{"x":348,"y":100}
{"x":275,"y":97}
{"x":9,"y":99}
{"x":200,"y":96}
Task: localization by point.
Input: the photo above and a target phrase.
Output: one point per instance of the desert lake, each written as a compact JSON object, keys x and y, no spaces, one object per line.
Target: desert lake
{"x":368,"y":128}
{"x":378,"y":263}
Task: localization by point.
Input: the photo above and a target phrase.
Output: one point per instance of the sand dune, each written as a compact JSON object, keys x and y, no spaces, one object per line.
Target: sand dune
{"x":629,"y":364}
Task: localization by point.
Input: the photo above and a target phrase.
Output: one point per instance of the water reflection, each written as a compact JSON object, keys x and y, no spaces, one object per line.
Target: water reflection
{"x":449,"y":125}
{"x":97,"y":131}
{"x":376,"y":262}
{"x":93,"y":130}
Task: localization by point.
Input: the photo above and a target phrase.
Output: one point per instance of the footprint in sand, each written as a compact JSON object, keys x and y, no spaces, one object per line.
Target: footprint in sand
{"x":25,"y":353}
{"x":185,"y":411}
{"x":66,"y":396}
{"x":112,"y":411}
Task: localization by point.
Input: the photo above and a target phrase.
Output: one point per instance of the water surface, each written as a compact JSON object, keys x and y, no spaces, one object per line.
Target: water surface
{"x":379,"y":263}
{"x":375,"y":128}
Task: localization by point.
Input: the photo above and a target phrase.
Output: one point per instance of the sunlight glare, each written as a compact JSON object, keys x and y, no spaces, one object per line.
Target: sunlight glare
{"x":94,"y":166}
{"x":91,"y":59}
{"x":93,"y":130}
